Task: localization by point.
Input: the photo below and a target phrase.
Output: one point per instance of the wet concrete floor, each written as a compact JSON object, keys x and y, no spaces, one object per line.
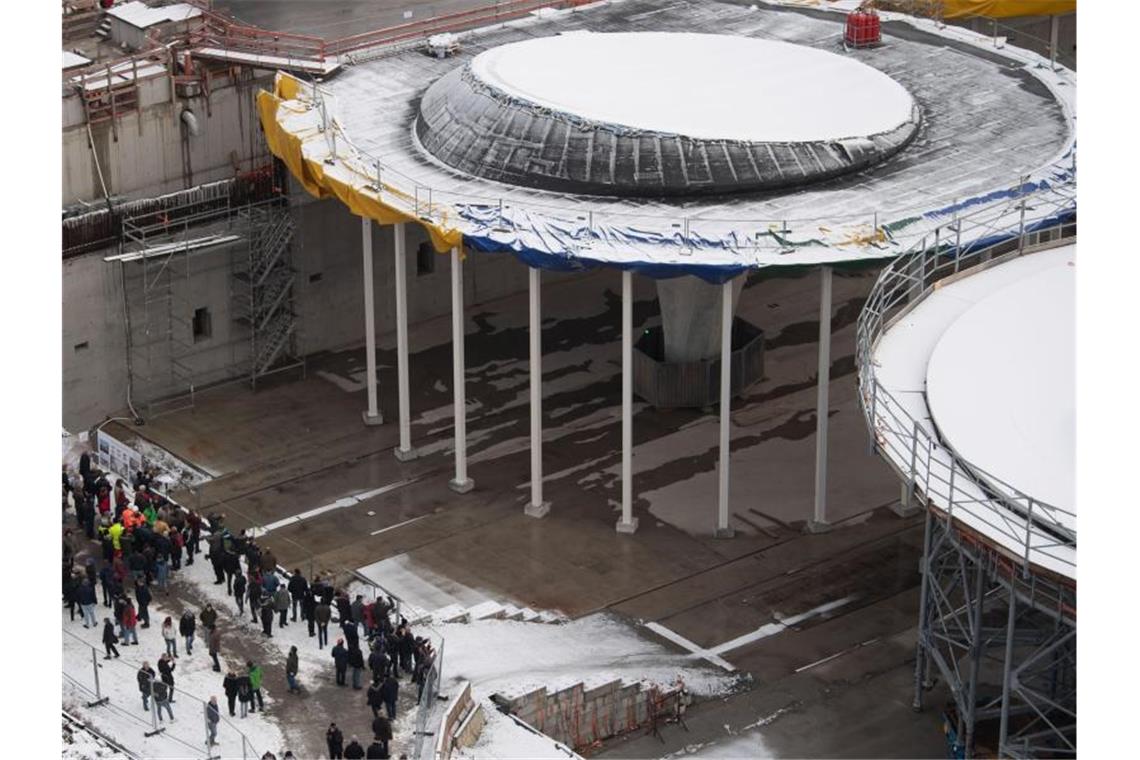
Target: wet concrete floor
{"x":298,"y":445}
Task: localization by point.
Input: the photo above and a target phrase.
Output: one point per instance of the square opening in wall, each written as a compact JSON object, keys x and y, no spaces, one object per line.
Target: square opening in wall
{"x":425,"y":259}
{"x":203,"y":326}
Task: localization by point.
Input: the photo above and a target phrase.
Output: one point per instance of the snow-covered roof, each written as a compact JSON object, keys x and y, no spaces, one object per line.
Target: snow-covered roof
{"x":70,"y":59}
{"x":141,"y":15}
{"x":997,"y":124}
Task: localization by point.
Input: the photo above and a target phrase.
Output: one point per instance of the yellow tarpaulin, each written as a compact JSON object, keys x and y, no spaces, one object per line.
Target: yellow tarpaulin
{"x":318,"y":183}
{"x":1006,"y":8}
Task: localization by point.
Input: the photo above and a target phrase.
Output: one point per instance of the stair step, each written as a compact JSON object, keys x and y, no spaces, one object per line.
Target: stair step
{"x":511,"y":612}
{"x":486,"y":611}
{"x":452,"y":613}
{"x":529,"y":615}
{"x":550,"y":616}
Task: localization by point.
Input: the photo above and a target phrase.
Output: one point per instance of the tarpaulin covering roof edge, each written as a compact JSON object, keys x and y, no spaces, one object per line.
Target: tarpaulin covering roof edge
{"x":1006,"y":8}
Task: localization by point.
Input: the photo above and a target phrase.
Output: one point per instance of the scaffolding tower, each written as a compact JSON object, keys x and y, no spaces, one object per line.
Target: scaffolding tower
{"x":161,"y":251}
{"x":263,"y":289}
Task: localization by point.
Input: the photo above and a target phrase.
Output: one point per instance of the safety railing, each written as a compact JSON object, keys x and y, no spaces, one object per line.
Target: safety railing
{"x":111,"y":686}
{"x":426,"y":704}
{"x":1031,"y":531}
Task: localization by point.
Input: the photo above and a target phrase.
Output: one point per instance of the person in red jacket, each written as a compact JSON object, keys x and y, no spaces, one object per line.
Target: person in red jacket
{"x":130,"y":621}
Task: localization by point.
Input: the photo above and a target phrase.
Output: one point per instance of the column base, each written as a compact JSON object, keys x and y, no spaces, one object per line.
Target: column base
{"x":626,"y":527}
{"x":461,"y":487}
{"x":537,"y":510}
{"x":903,"y":509}
{"x":724,"y":533}
{"x":372,"y":419}
{"x":817,"y":527}
{"x":405,"y":455}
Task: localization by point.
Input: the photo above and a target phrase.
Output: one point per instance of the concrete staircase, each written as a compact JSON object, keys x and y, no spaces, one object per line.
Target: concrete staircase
{"x":485,"y":610}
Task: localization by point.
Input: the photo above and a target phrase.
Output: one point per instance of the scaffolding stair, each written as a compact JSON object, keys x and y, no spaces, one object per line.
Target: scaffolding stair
{"x":103,"y":31}
{"x":274,"y":339}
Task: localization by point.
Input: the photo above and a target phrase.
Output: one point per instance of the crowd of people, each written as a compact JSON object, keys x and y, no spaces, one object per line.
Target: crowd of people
{"x":144,"y":536}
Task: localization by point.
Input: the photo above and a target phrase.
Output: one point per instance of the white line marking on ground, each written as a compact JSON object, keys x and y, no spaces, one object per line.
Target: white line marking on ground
{"x":399,"y":525}
{"x":684,"y":643}
{"x":347,"y":501}
{"x":771,"y":629}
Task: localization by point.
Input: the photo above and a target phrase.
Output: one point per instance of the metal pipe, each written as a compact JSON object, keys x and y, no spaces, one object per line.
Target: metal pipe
{"x":627,"y":524}
{"x":372,"y":415}
{"x":461,"y":484}
{"x":1003,"y":731}
{"x":823,"y":381}
{"x":920,"y":650}
{"x":722,"y":529}
{"x":536,"y":508}
{"x":404,"y":452}
{"x":975,"y":657}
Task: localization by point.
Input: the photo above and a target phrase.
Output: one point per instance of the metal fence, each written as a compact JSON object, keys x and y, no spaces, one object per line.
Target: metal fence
{"x":932,"y":470}
{"x":111,"y":687}
{"x":425,"y":707}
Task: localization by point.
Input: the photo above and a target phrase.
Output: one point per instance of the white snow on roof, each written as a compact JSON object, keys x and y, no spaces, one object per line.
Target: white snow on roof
{"x":709,"y":86}
{"x":143,"y":16}
{"x":1001,"y":384}
{"x":71,"y":59}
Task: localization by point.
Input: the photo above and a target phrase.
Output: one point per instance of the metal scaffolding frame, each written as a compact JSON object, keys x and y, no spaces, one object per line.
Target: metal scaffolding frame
{"x":163,"y":246}
{"x":995,"y":624}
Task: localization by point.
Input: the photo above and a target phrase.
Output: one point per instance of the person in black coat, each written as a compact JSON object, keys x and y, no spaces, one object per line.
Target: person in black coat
{"x":239,"y":593}
{"x":407,"y":649}
{"x":145,"y":678}
{"x":340,"y":659}
{"x":267,"y":618}
{"x":254,"y":591}
{"x":230,"y":687}
{"x":378,"y":663}
{"x":351,"y":635}
{"x":186,"y":626}
{"x":142,"y":594}
{"x":375,"y":698}
{"x":343,"y":608}
{"x":376,"y":750}
{"x":297,"y":588}
{"x":356,"y":662}
{"x":335,"y":741}
{"x":382,"y":730}
{"x":308,"y":610}
{"x":109,"y":639}
{"x":166,"y":672}
{"x":232,"y":567}
{"x":390,"y":691}
{"x":354,"y":751}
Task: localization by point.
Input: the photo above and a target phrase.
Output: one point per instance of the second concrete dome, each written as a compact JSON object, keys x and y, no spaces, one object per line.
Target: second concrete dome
{"x":662,"y":114}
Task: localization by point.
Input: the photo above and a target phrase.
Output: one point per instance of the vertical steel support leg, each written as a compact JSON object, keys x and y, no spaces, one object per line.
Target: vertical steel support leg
{"x":924,"y":592}
{"x":975,"y":657}
{"x":461,"y":483}
{"x":1007,"y":667}
{"x":372,"y":415}
{"x":818,"y":523}
{"x":537,"y":507}
{"x":627,"y":523}
{"x":722,"y":529}
{"x":1053,"y":32}
{"x":405,"y":451}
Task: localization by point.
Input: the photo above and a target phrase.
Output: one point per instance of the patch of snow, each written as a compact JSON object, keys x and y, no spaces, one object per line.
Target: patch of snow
{"x":708,"y":86}
{"x":504,"y":738}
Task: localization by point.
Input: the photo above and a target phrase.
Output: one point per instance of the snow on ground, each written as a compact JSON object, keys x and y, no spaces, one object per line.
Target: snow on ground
{"x":750,"y":745}
{"x":79,"y":745}
{"x":512,"y":657}
{"x":502,"y":738}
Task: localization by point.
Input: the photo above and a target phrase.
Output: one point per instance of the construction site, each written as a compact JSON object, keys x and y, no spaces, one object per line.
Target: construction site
{"x":627,"y":350}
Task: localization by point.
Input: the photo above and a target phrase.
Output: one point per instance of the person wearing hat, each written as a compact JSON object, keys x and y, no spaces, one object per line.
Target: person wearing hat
{"x":335,"y":741}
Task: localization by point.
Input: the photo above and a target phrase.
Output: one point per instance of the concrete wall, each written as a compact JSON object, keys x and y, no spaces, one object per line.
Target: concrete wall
{"x":578,"y":716}
{"x":327,"y":297}
{"x":148,"y":158}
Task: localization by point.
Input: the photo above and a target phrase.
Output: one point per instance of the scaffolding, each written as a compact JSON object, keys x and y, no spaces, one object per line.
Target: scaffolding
{"x":996,"y":624}
{"x":161,"y":252}
{"x":262,"y":293}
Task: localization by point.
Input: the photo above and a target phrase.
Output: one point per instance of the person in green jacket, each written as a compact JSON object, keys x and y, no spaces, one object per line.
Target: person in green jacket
{"x":255,"y":683}
{"x":151,"y":514}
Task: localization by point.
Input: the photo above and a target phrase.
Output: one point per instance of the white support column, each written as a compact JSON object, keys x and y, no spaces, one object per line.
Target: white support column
{"x":537,"y":507}
{"x":461,"y":483}
{"x":722,"y":529}
{"x":404,"y":452}
{"x":627,"y":523}
{"x":818,"y":523}
{"x":372,"y":415}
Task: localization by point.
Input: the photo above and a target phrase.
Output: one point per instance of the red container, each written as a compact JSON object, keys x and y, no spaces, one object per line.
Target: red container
{"x":863,"y":29}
